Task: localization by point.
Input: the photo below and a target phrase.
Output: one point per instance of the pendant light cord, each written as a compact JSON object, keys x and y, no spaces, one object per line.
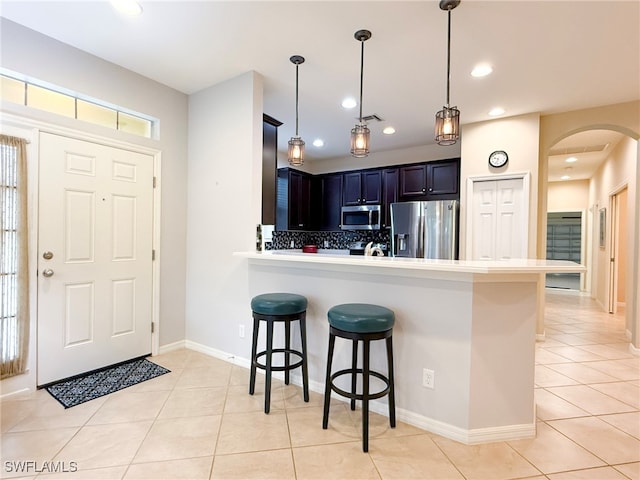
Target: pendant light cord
{"x":297,"y":99}
{"x":448,"y":52}
{"x":361,"y":75}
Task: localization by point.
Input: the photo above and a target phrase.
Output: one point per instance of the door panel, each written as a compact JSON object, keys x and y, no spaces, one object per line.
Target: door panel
{"x":499,"y":220}
{"x":95,"y":217}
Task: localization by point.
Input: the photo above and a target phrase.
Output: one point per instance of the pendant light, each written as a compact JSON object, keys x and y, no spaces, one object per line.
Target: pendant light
{"x":448,"y":119}
{"x":296,"y":144}
{"x":360,"y":134}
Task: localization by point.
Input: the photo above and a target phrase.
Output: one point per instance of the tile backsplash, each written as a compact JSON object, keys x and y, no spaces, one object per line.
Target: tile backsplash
{"x":335,"y":240}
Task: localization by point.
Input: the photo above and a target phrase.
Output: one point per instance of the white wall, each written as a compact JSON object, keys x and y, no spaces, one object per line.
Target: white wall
{"x":224,"y":207}
{"x":39,"y":57}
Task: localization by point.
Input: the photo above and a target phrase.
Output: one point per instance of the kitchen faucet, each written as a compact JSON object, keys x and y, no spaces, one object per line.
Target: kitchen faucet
{"x":371,"y":251}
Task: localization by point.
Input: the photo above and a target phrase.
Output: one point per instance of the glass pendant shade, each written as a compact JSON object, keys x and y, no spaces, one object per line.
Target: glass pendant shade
{"x":296,"y":152}
{"x":447,"y":126}
{"x":360,"y":140}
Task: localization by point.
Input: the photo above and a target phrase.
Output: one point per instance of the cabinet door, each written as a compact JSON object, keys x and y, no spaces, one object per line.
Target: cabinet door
{"x":389,"y":194}
{"x":351,"y":188}
{"x":371,"y":181}
{"x":304,"y":203}
{"x":443,"y":179}
{"x":413,"y":182}
{"x":330,"y":201}
{"x":298,"y":200}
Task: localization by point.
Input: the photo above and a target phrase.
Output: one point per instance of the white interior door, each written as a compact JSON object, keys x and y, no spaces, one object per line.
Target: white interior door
{"x":94,"y":256}
{"x":499,"y":219}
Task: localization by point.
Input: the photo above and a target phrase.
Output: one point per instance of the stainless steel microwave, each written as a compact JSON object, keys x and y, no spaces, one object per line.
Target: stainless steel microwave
{"x":360,"y":217}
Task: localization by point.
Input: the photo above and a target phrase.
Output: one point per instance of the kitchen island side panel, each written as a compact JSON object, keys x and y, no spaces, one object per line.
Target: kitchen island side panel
{"x":503,"y":353}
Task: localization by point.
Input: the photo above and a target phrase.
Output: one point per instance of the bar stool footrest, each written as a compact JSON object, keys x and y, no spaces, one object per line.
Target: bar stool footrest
{"x":279,"y":368}
{"x":359,"y":396}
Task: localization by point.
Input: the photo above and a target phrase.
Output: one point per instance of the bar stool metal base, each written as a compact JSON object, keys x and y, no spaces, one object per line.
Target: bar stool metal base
{"x":267,"y":366}
{"x":366,"y":373}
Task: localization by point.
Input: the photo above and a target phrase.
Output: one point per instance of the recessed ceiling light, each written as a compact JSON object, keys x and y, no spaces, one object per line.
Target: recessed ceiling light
{"x":481,"y":70}
{"x":349,"y":103}
{"x":565,"y":177}
{"x":389,"y":130}
{"x":128,"y":7}
{"x":497,"y":111}
{"x":318,"y":142}
{"x":571,"y":160}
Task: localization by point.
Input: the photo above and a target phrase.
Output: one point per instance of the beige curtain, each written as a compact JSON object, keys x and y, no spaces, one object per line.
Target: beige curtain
{"x":14,"y":277}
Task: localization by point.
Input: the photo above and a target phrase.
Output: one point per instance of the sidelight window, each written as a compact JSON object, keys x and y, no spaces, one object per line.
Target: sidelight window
{"x":14,"y":303}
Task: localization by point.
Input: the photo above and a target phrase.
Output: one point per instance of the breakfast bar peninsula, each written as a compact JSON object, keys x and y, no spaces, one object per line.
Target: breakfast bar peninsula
{"x":469,"y":324}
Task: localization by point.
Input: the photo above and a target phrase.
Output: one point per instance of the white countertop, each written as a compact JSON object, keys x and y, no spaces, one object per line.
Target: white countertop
{"x":342,"y":257}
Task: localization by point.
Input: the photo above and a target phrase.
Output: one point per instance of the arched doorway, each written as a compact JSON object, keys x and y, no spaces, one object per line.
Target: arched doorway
{"x":624,"y":119}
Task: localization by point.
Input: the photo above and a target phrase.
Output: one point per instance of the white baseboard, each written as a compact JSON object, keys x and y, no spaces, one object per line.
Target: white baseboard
{"x":171,"y":347}
{"x":469,"y":437}
{"x":15,"y":393}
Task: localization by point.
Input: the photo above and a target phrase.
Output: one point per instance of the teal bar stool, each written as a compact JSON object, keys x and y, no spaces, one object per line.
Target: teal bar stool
{"x":271,"y":308}
{"x":360,"y":322}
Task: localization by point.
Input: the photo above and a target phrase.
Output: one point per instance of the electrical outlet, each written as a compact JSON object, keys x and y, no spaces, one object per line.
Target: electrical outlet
{"x":428,"y":378}
{"x":241,"y":331}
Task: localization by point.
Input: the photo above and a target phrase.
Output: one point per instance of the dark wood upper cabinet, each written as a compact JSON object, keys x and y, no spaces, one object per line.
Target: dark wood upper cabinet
{"x":443,"y":180}
{"x":293,"y":210}
{"x":314,"y":202}
{"x":413,"y":182}
{"x":438,"y":180}
{"x":363,"y":187}
{"x":329,"y":200}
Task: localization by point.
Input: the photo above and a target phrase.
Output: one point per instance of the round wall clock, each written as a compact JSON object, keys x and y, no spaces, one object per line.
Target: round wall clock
{"x":499,"y":158}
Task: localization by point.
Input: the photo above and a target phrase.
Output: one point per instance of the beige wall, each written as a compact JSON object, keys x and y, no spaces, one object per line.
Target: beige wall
{"x":616,"y":174}
{"x":518,"y":136}
{"x":568,"y":196}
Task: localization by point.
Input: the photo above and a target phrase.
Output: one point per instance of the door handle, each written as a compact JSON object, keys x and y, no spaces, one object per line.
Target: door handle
{"x":47,"y":272}
{"x":47,"y":255}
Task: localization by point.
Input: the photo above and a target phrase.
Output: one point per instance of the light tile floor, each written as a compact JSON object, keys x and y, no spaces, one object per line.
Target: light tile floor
{"x":199,"y":422}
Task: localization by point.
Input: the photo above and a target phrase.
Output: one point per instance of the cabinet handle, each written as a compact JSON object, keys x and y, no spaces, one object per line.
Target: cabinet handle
{"x":431,"y":189}
{"x":423,"y":190}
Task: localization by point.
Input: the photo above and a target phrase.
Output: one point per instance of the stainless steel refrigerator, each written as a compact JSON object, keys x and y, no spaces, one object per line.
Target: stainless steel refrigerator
{"x":425,"y":229}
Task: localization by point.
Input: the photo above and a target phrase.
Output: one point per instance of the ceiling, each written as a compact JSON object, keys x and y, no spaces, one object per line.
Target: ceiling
{"x":547,"y":57}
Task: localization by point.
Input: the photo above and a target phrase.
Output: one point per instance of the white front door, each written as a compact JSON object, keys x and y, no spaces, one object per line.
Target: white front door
{"x":94,"y":256}
{"x":499,"y":219}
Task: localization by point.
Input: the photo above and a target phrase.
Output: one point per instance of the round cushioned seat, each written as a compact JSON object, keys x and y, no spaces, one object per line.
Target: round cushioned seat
{"x":361,"y":318}
{"x":278,"y":304}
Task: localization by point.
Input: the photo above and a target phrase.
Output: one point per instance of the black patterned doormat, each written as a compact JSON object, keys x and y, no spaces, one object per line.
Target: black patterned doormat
{"x":75,"y":391}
